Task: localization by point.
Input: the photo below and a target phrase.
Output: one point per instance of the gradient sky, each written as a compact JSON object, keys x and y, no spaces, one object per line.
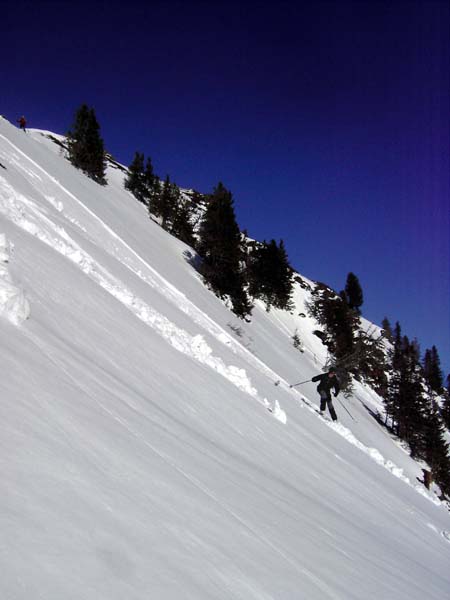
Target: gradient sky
{"x":328,"y":121}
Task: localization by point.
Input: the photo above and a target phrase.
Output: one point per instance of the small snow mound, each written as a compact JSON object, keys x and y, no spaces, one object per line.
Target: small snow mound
{"x":4,"y":249}
{"x":56,"y":203}
{"x":275,"y":408}
{"x":13,"y":304}
{"x":446,"y":535}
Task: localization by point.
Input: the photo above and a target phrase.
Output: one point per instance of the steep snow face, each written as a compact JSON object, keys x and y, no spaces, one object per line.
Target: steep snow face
{"x":146,"y":451}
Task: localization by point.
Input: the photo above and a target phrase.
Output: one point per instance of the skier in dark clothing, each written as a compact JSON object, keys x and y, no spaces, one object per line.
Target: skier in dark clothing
{"x":22,"y":123}
{"x":327,"y":381}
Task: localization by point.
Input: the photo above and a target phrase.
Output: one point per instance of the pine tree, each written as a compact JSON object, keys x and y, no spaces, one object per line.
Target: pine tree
{"x":354,"y":292}
{"x":397,"y":341}
{"x":371,"y":364}
{"x":149,"y":174}
{"x":135,"y":180}
{"x":405,"y":402}
{"x":388,"y":333}
{"x":164,"y":201}
{"x":155,"y":191}
{"x":436,"y":449}
{"x":341,"y":324}
{"x":270,"y":275}
{"x":220,"y":250}
{"x":85,"y":146}
{"x":445,"y":412}
{"x":432,"y":370}
{"x":181,"y":226}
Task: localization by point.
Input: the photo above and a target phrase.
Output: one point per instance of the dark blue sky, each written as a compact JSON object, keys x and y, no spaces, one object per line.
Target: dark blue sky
{"x":327,"y":120}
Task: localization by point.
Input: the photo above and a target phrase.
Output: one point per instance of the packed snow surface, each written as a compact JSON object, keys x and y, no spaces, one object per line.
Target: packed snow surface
{"x":145,"y":450}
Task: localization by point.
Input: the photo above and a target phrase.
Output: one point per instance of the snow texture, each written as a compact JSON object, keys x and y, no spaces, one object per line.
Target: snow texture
{"x":13,"y":304}
{"x":145,"y":450}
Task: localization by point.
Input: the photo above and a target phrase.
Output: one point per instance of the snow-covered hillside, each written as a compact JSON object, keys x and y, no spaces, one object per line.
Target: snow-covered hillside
{"x":145,"y":450}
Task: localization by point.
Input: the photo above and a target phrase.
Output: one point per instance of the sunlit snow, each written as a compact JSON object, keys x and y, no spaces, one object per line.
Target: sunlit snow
{"x":145,"y":450}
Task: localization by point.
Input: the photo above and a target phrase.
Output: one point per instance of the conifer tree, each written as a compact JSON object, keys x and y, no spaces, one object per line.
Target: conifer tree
{"x":354,"y":292}
{"x":164,"y":202}
{"x":270,"y":275}
{"x":155,"y":191}
{"x":388,"y":333}
{"x":371,"y":361}
{"x":436,"y":449}
{"x":341,"y":324}
{"x":149,"y":173}
{"x":432,"y":370}
{"x":405,"y":402}
{"x":151,"y":179}
{"x":85,"y":146}
{"x":397,"y":341}
{"x":181,"y":225}
{"x":219,"y":247}
{"x":135,"y":180}
{"x":445,"y":413}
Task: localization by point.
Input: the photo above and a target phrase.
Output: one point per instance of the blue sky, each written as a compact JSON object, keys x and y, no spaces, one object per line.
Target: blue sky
{"x":327,"y":120}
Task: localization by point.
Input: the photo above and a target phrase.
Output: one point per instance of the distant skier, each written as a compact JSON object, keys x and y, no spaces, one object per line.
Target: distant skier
{"x":22,"y":123}
{"x":327,"y":381}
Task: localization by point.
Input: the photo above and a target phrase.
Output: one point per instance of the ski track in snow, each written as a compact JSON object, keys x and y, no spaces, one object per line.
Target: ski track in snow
{"x":194,"y":346}
{"x":26,"y":214}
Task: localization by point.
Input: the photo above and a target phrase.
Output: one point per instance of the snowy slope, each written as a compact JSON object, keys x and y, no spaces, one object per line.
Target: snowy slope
{"x":145,"y":450}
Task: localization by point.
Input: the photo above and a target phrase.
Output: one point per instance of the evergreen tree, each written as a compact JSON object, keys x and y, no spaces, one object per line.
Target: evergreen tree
{"x":432,"y":370}
{"x":354,"y":292}
{"x":85,"y":146}
{"x":341,"y":324}
{"x":371,"y":363}
{"x":164,"y":202}
{"x":181,"y":226}
{"x":135,"y":180}
{"x":397,"y":341}
{"x":415,"y":350}
{"x":445,"y":412}
{"x":405,"y":402}
{"x":155,"y":191}
{"x":149,"y":175}
{"x":270,"y":275}
{"x":388,"y":333}
{"x":219,"y":247}
{"x":436,"y":449}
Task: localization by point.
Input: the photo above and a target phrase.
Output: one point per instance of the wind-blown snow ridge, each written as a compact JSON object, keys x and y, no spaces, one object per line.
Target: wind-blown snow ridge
{"x":27,"y":215}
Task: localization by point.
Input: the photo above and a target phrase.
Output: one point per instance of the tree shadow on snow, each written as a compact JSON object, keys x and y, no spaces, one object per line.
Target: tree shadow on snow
{"x":193,"y":259}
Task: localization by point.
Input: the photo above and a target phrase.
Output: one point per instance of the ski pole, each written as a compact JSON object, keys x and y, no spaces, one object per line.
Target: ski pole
{"x":343,"y":405}
{"x":299,"y":383}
